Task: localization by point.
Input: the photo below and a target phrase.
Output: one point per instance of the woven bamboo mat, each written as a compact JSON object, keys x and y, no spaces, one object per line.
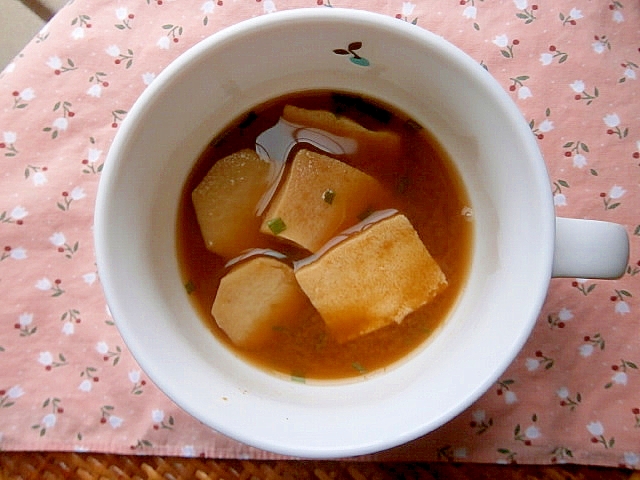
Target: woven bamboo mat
{"x":52,"y":466}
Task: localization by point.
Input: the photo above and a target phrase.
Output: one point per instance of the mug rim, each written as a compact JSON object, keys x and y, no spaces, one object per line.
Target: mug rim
{"x":145,"y":104}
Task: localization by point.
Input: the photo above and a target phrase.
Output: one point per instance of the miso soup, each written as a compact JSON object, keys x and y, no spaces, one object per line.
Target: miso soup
{"x":419,"y":182}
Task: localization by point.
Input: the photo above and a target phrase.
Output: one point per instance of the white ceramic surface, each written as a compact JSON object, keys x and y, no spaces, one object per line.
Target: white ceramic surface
{"x":422,"y":75}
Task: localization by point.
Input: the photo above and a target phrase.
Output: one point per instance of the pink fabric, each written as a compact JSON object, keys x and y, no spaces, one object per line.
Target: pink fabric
{"x":67,"y":381}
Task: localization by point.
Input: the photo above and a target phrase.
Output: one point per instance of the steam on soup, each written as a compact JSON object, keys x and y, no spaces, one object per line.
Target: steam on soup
{"x":323,"y":235}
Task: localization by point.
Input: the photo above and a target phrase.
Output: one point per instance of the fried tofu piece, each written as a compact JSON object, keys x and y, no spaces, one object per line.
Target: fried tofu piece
{"x":373,"y":278}
{"x":377,"y":150}
{"x":320,"y":197}
{"x":256,"y":297}
{"x":226,"y":200}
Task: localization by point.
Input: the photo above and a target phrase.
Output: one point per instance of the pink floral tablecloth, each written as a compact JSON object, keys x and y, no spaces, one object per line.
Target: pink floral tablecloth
{"x":67,"y":381}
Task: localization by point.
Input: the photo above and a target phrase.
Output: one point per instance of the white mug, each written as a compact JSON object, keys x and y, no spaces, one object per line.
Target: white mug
{"x":518,"y":244}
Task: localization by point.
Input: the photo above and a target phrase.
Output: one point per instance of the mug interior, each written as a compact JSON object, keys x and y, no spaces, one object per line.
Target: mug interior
{"x":419,"y":74}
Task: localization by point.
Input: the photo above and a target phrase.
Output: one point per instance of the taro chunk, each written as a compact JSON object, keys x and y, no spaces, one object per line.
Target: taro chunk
{"x":378,"y":150}
{"x":255,"y":298}
{"x":373,"y":278}
{"x":226,"y":201}
{"x":320,"y":197}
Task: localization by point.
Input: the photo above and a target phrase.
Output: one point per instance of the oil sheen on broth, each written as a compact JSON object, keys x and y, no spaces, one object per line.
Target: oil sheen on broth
{"x":424,"y":186}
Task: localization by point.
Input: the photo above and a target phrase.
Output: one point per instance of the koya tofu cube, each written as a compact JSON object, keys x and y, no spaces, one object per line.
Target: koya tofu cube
{"x":320,"y":197}
{"x":256,"y":297}
{"x":226,"y":202}
{"x":371,"y":279}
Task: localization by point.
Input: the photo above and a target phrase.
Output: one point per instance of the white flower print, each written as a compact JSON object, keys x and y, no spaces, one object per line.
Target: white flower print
{"x":617,"y":16}
{"x":44,"y":284}
{"x":113,"y":50}
{"x":501,"y":40}
{"x":575,"y":14}
{"x":631,"y":459}
{"x":68,"y":328}
{"x":470,"y":11}
{"x":510,"y":397}
{"x":77,"y":33}
{"x":408,"y":8}
{"x":546,"y":126}
{"x":95,"y":90}
{"x":269,"y":6}
{"x":565,"y":314}
{"x":18,"y":253}
{"x":77,"y":193}
{"x":89,"y":278}
{"x":208,"y":7}
{"x":121,"y":13}
{"x":115,"y":422}
{"x":49,"y":420}
{"x":188,"y":451}
{"x":61,"y":123}
{"x":102,"y":348}
{"x":622,"y":308}
{"x":611,"y":120}
{"x":39,"y":178}
{"x":93,"y":155}
{"x":524,"y":93}
{"x":577,"y":86}
{"x":532,"y":364}
{"x":15,"y":392}
{"x":25,"y":319}
{"x":617,"y":192}
{"x":19,"y":212}
{"x":546,"y":59}
{"x":157,"y":416}
{"x":460,"y":452}
{"x":579,"y":160}
{"x":521,"y":4}
{"x":45,"y":358}
{"x":58,"y":239}
{"x":559,"y":199}
{"x":563,"y":392}
{"x":27,"y":94}
{"x":163,"y":42}
{"x":630,"y":73}
{"x":134,"y":376}
{"x":85,"y":386}
{"x":479,"y":415}
{"x":595,"y":428}
{"x":532,"y":432}
{"x":9,"y":137}
{"x":619,"y":378}
{"x":148,"y":77}
{"x":586,"y":350}
{"x":599,"y":46}
{"x":54,"y":63}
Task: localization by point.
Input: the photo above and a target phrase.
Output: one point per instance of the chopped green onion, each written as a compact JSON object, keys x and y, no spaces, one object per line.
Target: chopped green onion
{"x":357,"y":366}
{"x":402,"y":185}
{"x":414,"y":125}
{"x":328,"y":196}
{"x":190,"y":287}
{"x":298,"y":378}
{"x":276,"y":225}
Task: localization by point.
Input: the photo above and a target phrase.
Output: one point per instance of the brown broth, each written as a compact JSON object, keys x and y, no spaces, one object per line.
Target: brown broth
{"x":426,"y":188}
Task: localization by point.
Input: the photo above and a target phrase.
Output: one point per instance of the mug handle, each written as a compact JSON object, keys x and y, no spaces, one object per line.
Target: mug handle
{"x":590,"y":249}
